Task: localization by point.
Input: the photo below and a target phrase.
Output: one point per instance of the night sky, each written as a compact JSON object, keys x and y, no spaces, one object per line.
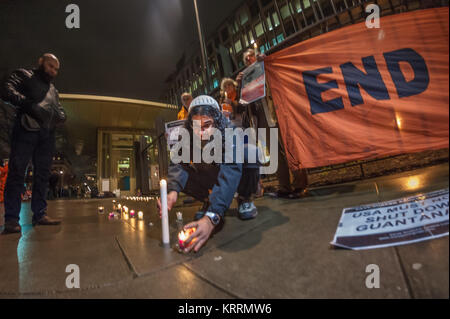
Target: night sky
{"x":123,"y":48}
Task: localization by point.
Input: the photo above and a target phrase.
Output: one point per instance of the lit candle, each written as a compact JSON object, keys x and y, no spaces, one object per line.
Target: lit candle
{"x":164,"y":212}
{"x":132,"y":213}
{"x":184,"y":235}
{"x":111,"y":215}
{"x":101,"y":209}
{"x":125,"y":209}
{"x":179,"y":216}
{"x":140,"y":215}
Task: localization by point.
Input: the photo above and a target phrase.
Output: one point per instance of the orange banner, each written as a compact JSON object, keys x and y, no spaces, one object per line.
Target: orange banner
{"x":358,"y":93}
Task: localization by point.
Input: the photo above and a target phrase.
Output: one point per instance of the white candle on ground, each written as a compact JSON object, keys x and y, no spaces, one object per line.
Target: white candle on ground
{"x":164,"y":212}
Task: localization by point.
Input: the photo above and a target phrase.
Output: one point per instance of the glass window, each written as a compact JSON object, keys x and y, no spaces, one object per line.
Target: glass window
{"x":280,"y":38}
{"x":259,"y":30}
{"x":306,"y":4}
{"x":297,"y":6}
{"x":276,"y":21}
{"x":250,"y":36}
{"x":244,"y":17}
{"x":246,"y":40}
{"x":216,"y":83}
{"x":285,"y":12}
{"x":238,"y":46}
{"x":269,"y":24}
{"x":274,"y":41}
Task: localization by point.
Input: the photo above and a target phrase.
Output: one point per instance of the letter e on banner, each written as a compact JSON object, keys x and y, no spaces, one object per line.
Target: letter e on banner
{"x":73,"y":280}
{"x":373,"y":280}
{"x":73,"y":19}
{"x":373,"y":19}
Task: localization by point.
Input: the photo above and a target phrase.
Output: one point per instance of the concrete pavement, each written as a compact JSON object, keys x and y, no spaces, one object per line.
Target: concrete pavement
{"x":283,"y":253}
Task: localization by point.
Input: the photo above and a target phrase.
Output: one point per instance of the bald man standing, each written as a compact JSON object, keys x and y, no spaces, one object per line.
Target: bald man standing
{"x":38,"y":111}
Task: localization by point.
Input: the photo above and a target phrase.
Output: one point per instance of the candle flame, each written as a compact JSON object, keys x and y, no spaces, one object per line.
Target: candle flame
{"x":184,"y":235}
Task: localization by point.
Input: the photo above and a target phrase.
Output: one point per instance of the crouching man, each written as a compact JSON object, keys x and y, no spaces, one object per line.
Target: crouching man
{"x":213,"y":183}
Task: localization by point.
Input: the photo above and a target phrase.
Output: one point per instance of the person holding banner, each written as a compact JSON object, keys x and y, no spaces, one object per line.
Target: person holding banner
{"x":231,"y":108}
{"x":212,"y":183}
{"x":256,"y":115}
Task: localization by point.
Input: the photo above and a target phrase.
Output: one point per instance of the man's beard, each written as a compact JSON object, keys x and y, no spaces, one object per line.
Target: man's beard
{"x":45,"y":76}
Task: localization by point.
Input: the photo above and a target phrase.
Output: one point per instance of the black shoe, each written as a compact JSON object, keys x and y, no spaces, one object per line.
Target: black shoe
{"x":12,"y":227}
{"x":45,"y":220}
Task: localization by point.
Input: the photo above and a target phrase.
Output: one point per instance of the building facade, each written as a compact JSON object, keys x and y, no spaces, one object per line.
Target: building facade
{"x":268,"y":26}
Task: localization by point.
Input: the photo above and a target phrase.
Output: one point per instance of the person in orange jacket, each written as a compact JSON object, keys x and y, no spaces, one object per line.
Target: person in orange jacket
{"x":186,"y":99}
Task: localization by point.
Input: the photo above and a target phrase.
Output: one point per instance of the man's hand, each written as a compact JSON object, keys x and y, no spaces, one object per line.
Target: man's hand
{"x":171,"y":200}
{"x":202,"y":234}
{"x":239,"y":77}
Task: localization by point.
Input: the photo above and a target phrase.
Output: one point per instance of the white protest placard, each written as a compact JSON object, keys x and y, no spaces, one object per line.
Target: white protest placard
{"x":173,"y":131}
{"x":396,"y":222}
{"x":253,"y":83}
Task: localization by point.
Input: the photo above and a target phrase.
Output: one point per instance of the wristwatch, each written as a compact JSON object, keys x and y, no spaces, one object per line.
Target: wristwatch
{"x":215,"y":218}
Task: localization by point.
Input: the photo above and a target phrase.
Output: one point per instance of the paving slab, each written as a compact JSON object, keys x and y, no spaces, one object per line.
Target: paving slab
{"x":426,"y":268}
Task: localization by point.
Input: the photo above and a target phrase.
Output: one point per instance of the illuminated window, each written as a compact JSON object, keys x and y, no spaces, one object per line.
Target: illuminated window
{"x":259,"y":30}
{"x":244,"y":17}
{"x":238,"y":46}
{"x":276,"y":21}
{"x":269,"y":23}
{"x":216,"y":83}
{"x":306,"y":4}
{"x":274,"y":41}
{"x":280,"y":38}
{"x":297,"y":6}
{"x":250,"y":36}
{"x":285,"y":12}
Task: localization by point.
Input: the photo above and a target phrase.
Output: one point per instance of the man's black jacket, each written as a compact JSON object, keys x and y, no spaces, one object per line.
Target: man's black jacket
{"x":36,"y":100}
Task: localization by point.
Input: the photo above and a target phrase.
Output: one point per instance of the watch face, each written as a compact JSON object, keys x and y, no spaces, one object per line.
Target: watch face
{"x":214,"y":217}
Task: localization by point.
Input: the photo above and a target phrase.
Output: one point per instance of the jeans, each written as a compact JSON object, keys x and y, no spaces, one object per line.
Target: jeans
{"x":25,"y":146}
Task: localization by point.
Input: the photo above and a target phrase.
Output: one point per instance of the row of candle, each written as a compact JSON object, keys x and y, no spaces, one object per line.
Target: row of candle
{"x":140,"y":198}
{"x":119,"y":210}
